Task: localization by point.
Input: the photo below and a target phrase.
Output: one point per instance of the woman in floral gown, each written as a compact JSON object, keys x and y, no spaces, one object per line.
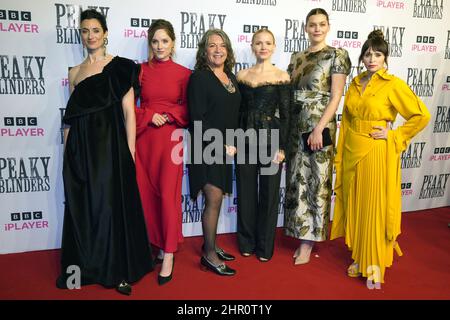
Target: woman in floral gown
{"x":318,"y":77}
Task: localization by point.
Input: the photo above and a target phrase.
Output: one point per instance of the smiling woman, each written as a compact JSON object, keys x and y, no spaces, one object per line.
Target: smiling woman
{"x":214,"y":99}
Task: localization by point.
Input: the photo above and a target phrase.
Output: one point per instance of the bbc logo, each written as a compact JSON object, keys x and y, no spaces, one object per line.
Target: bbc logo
{"x":35,"y":215}
{"x":253,"y":28}
{"x":425,"y":39}
{"x":406,"y":185}
{"x":448,"y":79}
{"x":15,"y":15}
{"x":20,"y":121}
{"x":339,"y":117}
{"x":347,"y":34}
{"x":442,"y":150}
{"x":140,"y":23}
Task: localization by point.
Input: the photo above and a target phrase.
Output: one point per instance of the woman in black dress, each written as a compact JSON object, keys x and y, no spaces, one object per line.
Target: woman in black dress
{"x":213,"y":102}
{"x":104,"y":233}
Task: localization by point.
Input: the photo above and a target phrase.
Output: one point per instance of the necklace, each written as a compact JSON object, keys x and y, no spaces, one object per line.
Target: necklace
{"x":229,"y":86}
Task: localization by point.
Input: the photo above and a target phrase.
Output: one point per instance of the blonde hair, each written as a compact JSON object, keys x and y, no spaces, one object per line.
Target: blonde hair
{"x":261,"y":31}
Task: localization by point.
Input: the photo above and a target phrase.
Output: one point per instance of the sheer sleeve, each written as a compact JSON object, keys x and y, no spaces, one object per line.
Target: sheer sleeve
{"x":284,"y":109}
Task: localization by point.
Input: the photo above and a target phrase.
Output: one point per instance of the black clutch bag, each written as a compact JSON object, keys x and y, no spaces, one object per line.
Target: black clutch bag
{"x":326,"y":139}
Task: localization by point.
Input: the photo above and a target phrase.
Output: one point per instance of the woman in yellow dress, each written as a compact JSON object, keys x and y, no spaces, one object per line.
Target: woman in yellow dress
{"x":368,"y":196}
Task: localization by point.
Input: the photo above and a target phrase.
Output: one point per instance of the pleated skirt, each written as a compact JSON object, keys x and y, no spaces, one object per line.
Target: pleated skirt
{"x":366,"y":215}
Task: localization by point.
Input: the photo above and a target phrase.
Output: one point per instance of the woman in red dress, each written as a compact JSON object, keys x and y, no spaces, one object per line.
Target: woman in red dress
{"x":162,"y":111}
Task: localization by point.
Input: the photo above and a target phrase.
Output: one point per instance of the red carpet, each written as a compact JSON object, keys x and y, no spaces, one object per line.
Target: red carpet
{"x":422,"y":273}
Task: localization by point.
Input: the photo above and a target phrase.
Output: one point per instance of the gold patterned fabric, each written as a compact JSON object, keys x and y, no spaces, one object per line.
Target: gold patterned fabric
{"x":309,"y":175}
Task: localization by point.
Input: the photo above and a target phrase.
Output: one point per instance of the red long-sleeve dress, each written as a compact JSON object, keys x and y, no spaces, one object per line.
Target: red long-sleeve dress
{"x":163,"y":91}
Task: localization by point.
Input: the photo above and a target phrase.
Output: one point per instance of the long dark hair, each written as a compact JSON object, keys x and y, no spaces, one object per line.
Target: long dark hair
{"x":201,"y":61}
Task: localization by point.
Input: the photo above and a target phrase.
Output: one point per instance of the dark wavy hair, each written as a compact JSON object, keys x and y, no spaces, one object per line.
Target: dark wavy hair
{"x":201,"y":60}
{"x":94,"y":14}
{"x":375,"y":40}
{"x":317,"y":11}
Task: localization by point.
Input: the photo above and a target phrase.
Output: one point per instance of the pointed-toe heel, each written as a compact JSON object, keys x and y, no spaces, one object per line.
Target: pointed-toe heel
{"x":221,"y":269}
{"x":299,"y":261}
{"x":163,"y":280}
{"x":296,"y":253}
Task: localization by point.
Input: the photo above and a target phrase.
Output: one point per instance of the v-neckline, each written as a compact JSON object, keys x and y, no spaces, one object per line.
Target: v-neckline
{"x":364,"y":88}
{"x":222,"y":84}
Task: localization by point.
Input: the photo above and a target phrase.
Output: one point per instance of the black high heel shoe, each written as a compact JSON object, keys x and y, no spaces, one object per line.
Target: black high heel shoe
{"x":163,"y":280}
{"x":124,"y":288}
{"x":222,"y":269}
{"x":222,"y":254}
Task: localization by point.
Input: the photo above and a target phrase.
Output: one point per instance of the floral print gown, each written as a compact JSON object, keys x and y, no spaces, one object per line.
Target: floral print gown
{"x":309,"y":175}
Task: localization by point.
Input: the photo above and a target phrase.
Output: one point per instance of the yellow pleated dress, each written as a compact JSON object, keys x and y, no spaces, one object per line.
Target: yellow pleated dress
{"x":368,"y":179}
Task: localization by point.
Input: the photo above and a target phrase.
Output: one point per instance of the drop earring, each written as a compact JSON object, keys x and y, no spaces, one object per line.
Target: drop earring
{"x":105,"y":43}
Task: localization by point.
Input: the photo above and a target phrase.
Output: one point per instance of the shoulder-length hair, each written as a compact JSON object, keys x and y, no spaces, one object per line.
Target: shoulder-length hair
{"x":201,"y":59}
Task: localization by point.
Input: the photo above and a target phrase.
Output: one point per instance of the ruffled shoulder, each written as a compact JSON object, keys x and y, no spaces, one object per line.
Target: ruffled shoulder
{"x":124,"y":74}
{"x":104,"y":89}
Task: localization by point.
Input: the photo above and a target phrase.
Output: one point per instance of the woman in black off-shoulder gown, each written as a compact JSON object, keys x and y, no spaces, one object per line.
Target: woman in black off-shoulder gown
{"x":104,"y":235}
{"x":104,"y":230}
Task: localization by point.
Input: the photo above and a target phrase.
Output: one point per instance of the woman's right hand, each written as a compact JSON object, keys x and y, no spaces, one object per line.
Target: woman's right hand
{"x":158,"y":120}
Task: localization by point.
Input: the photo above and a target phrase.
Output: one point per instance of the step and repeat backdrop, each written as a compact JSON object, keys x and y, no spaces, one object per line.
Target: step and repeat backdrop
{"x":41,"y":39}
